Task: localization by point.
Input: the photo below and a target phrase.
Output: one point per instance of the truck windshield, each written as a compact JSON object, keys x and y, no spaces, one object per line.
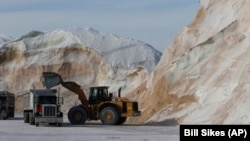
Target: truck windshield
{"x":47,"y":100}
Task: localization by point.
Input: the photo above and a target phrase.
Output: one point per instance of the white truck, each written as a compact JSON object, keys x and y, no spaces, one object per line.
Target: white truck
{"x":42,"y":106}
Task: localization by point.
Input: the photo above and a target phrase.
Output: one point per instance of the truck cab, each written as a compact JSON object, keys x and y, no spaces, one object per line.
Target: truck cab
{"x":7,"y":105}
{"x":43,"y":106}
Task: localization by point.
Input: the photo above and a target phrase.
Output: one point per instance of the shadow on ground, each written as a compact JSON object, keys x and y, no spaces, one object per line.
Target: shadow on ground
{"x":168,"y":122}
{"x":15,"y":118}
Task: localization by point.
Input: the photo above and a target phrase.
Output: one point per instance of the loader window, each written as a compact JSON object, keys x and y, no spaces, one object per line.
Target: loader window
{"x":99,"y":92}
{"x":98,"y":95}
{"x":94,"y":92}
{"x":104,"y":92}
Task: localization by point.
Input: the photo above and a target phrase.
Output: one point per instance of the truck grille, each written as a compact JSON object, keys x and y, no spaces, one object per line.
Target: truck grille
{"x":49,"y":110}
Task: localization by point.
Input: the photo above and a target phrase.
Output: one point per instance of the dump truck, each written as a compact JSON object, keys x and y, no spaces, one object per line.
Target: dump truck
{"x":101,"y":105}
{"x":7,"y":105}
{"x":42,"y":106}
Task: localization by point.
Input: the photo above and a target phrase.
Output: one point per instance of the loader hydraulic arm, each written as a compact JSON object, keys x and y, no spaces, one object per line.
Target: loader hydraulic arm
{"x":51,"y":79}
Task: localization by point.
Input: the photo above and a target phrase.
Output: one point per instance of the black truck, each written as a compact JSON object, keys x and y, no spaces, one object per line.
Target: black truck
{"x":7,"y":105}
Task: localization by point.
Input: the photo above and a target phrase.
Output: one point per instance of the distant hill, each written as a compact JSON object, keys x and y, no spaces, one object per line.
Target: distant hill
{"x":85,"y":56}
{"x":120,"y":52}
{"x":203,"y":76}
{"x":4,"y":39}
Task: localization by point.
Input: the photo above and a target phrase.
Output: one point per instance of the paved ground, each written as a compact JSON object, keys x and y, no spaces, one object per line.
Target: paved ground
{"x":16,"y":130}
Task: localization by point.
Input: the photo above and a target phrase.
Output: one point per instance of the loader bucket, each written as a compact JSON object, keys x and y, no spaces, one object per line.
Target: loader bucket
{"x":51,"y":79}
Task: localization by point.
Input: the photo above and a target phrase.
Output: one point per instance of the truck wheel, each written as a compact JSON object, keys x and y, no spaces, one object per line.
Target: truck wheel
{"x":109,"y":116}
{"x":31,"y":119}
{"x":37,"y":124}
{"x":77,"y":115}
{"x":121,"y":120}
{"x":26,"y":117}
{"x":59,"y":124}
{"x":3,"y":114}
{"x":12,"y":115}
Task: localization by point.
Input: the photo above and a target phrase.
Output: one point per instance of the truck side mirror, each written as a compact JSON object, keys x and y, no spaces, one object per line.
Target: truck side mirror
{"x":60,"y":101}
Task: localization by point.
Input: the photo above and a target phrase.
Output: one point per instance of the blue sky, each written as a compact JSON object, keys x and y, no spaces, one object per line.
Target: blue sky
{"x":154,"y":22}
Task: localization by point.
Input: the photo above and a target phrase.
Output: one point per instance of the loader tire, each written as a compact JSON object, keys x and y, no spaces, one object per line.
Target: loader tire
{"x":109,"y":116}
{"x":77,"y":115}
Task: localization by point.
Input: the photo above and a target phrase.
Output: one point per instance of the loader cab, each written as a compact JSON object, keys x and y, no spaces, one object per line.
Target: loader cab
{"x":98,"y":95}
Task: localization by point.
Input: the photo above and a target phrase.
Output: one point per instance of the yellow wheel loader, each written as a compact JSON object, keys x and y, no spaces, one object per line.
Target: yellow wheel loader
{"x":100,"y":105}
